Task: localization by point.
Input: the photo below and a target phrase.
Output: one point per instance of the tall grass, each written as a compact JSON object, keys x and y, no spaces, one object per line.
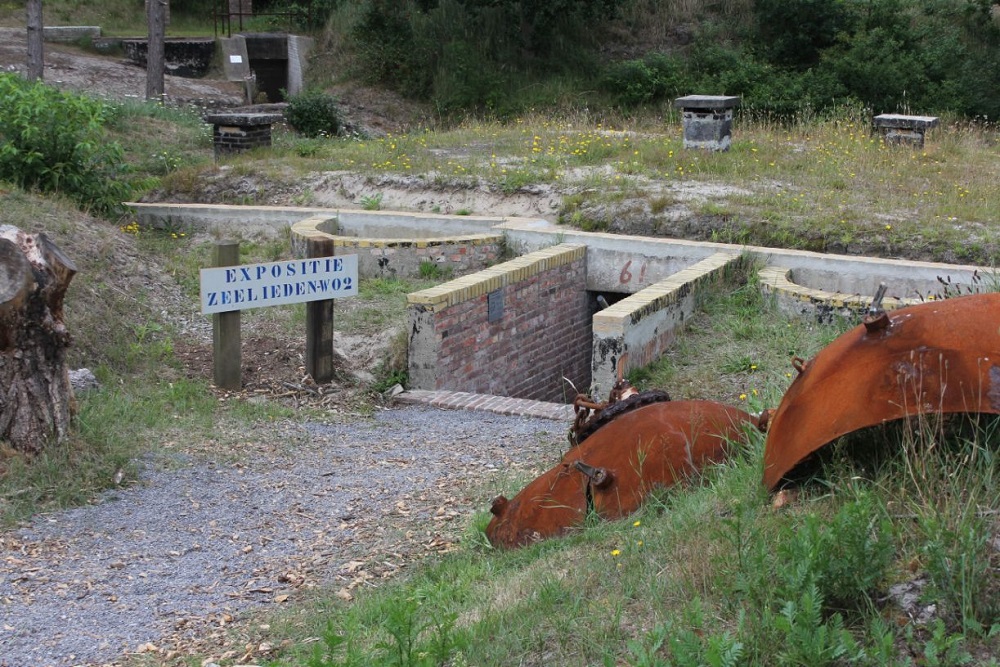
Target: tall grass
{"x":710,"y":573}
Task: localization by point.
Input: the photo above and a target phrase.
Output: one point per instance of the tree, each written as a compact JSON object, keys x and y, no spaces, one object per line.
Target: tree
{"x":155,"y":17}
{"x":35,"y":35}
{"x":36,"y":401}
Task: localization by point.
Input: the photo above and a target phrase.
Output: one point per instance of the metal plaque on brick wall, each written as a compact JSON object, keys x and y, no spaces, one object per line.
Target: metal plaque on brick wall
{"x":494,"y":305}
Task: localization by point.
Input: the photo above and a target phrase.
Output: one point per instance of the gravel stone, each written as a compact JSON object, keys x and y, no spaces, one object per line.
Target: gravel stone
{"x":199,"y":542}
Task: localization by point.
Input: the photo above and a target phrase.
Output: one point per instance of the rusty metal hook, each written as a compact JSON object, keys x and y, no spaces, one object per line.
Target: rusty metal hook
{"x":799,"y":364}
{"x":599,"y":477}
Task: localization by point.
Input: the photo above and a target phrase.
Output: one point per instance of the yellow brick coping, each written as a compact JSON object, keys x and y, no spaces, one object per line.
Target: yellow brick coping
{"x":488,"y":280}
{"x":310,"y":229}
{"x":777,"y":279}
{"x":658,"y":295}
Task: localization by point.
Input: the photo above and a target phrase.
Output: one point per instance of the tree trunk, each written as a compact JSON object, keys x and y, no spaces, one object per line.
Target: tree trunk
{"x":36,"y":398}
{"x":154,"y":49}
{"x":35,"y":34}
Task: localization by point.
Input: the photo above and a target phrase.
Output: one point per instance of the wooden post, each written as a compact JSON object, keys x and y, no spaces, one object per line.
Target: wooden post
{"x":319,"y":324}
{"x":226,"y":352}
{"x":35,"y":39}
{"x":154,"y":49}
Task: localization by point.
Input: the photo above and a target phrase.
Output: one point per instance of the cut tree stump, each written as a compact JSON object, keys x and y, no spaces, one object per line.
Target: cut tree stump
{"x":36,"y":398}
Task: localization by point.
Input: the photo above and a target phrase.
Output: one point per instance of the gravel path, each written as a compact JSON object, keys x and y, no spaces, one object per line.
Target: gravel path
{"x":159,"y":566}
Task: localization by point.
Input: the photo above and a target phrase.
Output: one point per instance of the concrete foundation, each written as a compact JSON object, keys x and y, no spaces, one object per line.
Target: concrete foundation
{"x":393,"y":245}
{"x":635,"y":331}
{"x":556,"y":280}
{"x":182,"y":57}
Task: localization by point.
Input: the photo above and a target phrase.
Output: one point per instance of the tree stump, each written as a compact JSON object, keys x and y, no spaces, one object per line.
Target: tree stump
{"x":36,"y":398}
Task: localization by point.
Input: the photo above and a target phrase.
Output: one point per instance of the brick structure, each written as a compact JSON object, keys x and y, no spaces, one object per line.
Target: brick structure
{"x":237,"y":132}
{"x":516,"y":329}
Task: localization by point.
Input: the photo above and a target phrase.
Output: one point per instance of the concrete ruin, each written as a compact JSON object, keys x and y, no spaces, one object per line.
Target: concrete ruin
{"x":548,"y":301}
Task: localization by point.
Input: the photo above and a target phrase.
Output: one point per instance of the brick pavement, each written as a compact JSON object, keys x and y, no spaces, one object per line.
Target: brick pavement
{"x":503,"y":405}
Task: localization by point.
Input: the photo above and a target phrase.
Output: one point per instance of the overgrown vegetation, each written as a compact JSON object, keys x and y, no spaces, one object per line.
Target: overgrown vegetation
{"x":314,"y":113}
{"x":56,"y":142}
{"x":783,"y":57}
{"x":711,"y":573}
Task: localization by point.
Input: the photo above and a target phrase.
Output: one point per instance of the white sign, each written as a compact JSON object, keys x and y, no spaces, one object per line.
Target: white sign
{"x":294,"y":281}
{"x":235,"y":59}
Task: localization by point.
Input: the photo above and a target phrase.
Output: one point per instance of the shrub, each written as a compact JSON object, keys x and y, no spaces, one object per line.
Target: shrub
{"x":314,"y":113}
{"x":655,"y":77}
{"x":54,"y":141}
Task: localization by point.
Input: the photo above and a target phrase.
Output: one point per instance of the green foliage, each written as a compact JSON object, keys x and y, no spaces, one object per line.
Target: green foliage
{"x":956,"y":539}
{"x":305,"y":14}
{"x":942,"y":648}
{"x":55,"y":142}
{"x":844,"y":557}
{"x":808,"y":638}
{"x":433,"y":271}
{"x":412,"y":636}
{"x":655,"y":77}
{"x":469,"y":54}
{"x":372,"y":202}
{"x":314,"y":113}
{"x":793,"y":33}
{"x":384,"y":41}
{"x":686,"y":644}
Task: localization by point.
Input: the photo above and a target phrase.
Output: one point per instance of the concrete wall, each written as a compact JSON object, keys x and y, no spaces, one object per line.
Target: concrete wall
{"x":802,"y":301}
{"x":638,"y":329}
{"x":609,"y":253}
{"x":383,"y":254}
{"x":542,"y":335}
{"x":70,"y":33}
{"x":299,"y":49}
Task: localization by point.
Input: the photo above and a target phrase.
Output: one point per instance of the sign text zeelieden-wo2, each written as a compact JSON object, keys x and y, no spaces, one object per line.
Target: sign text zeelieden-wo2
{"x":278,"y":283}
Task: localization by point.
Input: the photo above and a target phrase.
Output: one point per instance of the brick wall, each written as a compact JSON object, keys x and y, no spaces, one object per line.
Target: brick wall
{"x":235,"y":139}
{"x":543,"y":334}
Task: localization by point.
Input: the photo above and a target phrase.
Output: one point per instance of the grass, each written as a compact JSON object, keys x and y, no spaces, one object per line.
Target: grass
{"x":711,"y":574}
{"x":823,"y":184}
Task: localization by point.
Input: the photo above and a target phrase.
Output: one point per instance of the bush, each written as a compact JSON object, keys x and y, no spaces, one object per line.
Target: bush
{"x":656,"y":77}
{"x":314,"y":113}
{"x":54,"y":142}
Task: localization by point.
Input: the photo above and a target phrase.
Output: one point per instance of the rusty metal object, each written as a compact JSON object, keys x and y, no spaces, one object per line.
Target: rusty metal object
{"x":655,"y":445}
{"x":592,"y":416}
{"x":935,"y":357}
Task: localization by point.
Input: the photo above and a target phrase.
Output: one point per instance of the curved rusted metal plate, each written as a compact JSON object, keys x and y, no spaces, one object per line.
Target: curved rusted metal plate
{"x":547,"y":507}
{"x":935,"y":357}
{"x":652,"y":446}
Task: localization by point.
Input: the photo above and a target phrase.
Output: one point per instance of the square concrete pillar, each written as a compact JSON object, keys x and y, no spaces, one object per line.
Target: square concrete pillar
{"x":898,"y":130}
{"x":707,"y":120}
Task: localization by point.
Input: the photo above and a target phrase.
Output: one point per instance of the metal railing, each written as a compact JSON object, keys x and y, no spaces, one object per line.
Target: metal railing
{"x":223,"y":17}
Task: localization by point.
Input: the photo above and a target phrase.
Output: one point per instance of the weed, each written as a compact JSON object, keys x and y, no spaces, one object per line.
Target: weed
{"x":433,"y":271}
{"x":372,"y":202}
{"x":810,"y":639}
